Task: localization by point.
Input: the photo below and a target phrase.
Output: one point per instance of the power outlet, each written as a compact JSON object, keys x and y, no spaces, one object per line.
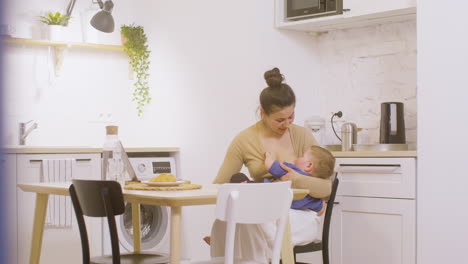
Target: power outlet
{"x":103,"y":118}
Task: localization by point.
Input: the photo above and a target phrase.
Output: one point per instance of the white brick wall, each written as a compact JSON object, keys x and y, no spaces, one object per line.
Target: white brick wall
{"x":362,"y":67}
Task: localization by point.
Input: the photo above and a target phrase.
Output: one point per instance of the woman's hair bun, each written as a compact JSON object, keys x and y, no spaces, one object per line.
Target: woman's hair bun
{"x":273,"y":77}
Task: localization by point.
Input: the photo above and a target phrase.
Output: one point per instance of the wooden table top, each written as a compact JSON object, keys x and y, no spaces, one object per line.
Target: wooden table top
{"x":206,"y":195}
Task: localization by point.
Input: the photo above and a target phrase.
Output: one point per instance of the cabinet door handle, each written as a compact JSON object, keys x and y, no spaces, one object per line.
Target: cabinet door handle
{"x":334,"y":203}
{"x":370,"y":168}
{"x":39,"y":160}
{"x":370,"y":165}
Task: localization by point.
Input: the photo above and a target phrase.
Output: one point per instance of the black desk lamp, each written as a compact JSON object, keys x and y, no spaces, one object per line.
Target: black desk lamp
{"x":102,"y":20}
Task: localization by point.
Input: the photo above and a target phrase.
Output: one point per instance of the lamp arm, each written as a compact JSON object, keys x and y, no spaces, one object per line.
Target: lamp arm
{"x":101,"y":4}
{"x":70,"y":7}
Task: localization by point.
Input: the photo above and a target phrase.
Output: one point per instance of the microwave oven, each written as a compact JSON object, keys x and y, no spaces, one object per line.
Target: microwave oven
{"x":305,"y":9}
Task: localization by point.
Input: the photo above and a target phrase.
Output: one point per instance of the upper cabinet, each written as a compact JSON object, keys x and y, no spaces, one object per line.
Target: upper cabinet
{"x":357,"y":13}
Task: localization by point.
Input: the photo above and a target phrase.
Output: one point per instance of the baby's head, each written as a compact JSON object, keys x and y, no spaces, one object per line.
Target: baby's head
{"x":317,"y":161}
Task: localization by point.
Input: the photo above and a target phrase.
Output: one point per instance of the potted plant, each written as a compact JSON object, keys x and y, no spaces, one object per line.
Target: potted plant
{"x":135,"y":45}
{"x":55,"y":23}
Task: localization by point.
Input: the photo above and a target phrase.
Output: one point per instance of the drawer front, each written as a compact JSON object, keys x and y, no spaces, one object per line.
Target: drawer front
{"x":87,"y":166}
{"x":377,"y":177}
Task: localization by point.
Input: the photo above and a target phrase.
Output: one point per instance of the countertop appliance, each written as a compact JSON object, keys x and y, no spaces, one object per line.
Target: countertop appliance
{"x":305,"y":9}
{"x":155,"y":225}
{"x":392,"y":123}
{"x":148,"y":167}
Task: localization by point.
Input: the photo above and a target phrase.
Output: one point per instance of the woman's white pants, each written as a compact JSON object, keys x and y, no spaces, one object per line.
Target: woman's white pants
{"x":253,"y":243}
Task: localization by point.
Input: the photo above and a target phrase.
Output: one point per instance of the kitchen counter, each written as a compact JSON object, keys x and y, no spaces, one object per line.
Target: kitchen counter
{"x":78,"y":149}
{"x":374,"y":154}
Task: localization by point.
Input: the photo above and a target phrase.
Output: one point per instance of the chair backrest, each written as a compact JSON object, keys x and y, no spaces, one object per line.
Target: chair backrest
{"x":253,"y":203}
{"x":97,"y":199}
{"x":323,"y":245}
{"x":90,"y":196}
{"x":327,"y":220}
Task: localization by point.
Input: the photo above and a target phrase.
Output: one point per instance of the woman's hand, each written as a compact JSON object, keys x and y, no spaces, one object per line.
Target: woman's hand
{"x":288,"y":176}
{"x":324,"y":207}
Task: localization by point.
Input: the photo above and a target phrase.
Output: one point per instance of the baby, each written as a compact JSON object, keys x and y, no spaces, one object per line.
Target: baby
{"x":316,"y":162}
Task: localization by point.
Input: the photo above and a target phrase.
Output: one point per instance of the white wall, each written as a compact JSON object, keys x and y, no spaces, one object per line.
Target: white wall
{"x":442,"y":91}
{"x":360,"y":69}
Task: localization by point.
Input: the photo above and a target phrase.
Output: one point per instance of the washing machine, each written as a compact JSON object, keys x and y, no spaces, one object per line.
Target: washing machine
{"x":155,"y":224}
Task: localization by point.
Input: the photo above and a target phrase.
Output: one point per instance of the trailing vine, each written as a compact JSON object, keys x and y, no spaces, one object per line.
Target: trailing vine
{"x":135,"y":46}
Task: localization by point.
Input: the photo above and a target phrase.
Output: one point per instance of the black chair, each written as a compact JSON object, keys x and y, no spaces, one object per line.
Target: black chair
{"x":105,"y":199}
{"x":317,"y":246}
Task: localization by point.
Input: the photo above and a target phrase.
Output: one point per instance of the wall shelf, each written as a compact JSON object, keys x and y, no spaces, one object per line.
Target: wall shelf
{"x":65,"y":44}
{"x":60,"y":47}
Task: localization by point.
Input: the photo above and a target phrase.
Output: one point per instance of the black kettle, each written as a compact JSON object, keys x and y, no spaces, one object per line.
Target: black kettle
{"x":392,"y":123}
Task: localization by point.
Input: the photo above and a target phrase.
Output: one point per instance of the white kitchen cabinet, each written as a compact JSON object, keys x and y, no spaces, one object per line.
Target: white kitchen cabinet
{"x":358,"y":13}
{"x":373,"y":230}
{"x":8,"y":168}
{"x":60,"y":245}
{"x":375,"y":218}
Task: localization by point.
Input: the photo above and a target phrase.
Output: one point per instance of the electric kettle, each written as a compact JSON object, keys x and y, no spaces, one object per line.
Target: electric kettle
{"x":392,"y":123}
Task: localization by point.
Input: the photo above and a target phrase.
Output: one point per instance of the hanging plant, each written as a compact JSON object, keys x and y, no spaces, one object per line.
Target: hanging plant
{"x":135,"y":46}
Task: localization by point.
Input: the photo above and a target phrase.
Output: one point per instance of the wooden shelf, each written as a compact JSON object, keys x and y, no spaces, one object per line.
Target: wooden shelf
{"x":65,"y":44}
{"x":60,"y":47}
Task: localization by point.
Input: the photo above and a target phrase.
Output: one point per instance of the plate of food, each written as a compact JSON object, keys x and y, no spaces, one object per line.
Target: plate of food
{"x":161,"y":184}
{"x":163,"y":179}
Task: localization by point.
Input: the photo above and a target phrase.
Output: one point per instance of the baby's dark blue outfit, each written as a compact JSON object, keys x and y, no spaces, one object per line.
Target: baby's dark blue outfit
{"x":307,"y":202}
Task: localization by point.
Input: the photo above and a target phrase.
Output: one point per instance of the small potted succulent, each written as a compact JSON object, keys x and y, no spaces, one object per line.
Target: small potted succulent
{"x":135,"y":45}
{"x":55,"y":24}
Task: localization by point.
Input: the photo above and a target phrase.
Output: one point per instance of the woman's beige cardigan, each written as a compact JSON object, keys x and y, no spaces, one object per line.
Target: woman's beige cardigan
{"x":247,"y":150}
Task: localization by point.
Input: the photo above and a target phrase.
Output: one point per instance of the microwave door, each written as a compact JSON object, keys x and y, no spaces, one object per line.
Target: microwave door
{"x":296,"y":8}
{"x":304,"y":9}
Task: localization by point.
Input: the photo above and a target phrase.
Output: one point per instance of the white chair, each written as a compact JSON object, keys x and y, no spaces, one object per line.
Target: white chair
{"x":253,"y":203}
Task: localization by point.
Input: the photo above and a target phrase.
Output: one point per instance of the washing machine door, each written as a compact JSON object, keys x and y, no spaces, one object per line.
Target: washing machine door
{"x":154,"y":227}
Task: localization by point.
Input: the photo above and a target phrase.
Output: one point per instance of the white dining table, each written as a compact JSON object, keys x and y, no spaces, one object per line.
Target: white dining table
{"x":174,"y":199}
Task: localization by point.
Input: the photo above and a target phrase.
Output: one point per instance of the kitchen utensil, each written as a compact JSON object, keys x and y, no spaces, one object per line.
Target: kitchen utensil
{"x":317,"y":125}
{"x":348,"y":136}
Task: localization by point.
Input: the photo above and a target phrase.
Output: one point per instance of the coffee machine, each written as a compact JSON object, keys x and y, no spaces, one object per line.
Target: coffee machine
{"x":392,"y":123}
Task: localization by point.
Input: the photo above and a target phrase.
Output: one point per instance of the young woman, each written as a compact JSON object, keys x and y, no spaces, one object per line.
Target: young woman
{"x":274,"y":133}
